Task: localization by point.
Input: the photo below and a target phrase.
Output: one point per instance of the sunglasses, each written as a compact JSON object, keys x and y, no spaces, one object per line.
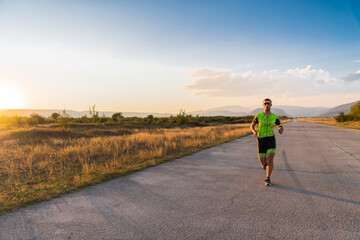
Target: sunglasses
{"x":267,"y":103}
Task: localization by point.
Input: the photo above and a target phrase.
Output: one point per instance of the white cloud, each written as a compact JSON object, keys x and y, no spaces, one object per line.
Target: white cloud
{"x":357,"y":61}
{"x":293,"y":82}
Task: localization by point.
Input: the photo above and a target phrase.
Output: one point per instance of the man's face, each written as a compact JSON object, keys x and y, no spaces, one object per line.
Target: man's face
{"x":267,"y":105}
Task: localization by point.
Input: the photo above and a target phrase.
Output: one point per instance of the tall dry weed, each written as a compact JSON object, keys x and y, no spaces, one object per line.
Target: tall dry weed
{"x":332,"y":122}
{"x":31,"y":171}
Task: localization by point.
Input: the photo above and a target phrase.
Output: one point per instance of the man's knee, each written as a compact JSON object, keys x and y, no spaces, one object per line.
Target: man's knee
{"x":262,"y":160}
{"x":270,"y":157}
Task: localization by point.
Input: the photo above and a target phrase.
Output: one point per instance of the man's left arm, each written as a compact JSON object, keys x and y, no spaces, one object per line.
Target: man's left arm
{"x":279,"y":125}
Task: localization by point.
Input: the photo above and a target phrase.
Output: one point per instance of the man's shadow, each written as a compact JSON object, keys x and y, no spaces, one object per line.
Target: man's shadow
{"x":308,"y":193}
{"x":296,"y":190}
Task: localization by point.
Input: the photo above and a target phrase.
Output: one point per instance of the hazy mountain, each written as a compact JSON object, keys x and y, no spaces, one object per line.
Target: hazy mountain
{"x":296,"y":111}
{"x":345,"y":108}
{"x":277,"y":111}
{"x":75,"y":114}
{"x":234,"y":110}
{"x":218,"y":113}
{"x":142,"y":114}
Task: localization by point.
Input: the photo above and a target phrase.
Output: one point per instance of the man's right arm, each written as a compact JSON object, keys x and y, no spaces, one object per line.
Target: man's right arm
{"x":252,"y":126}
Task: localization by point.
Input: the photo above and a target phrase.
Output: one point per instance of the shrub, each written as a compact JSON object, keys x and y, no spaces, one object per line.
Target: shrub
{"x":94,"y":115}
{"x":19,"y":121}
{"x":355,"y":111}
{"x":181,"y":117}
{"x":354,"y":115}
{"x":64,"y":120}
{"x":15,"y":121}
{"x":35,"y":119}
{"x":55,"y":115}
{"x":117,"y":117}
{"x":102,"y":119}
{"x":84,"y":119}
{"x":149,"y":118}
{"x":342,"y":117}
{"x":162,"y":120}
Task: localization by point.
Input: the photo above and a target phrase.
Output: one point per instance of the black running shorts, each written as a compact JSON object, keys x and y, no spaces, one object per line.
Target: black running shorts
{"x":266,"y":145}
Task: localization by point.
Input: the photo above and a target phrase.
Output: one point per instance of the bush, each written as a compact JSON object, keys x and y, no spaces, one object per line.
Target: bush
{"x":64,"y":120}
{"x":102,"y":119}
{"x":181,"y":118}
{"x":19,"y":121}
{"x":355,"y":111}
{"x":117,"y":117}
{"x":15,"y":121}
{"x":35,"y":119}
{"x":342,"y":117}
{"x":84,"y":119}
{"x":55,"y":115}
{"x":162,"y":120}
{"x":354,"y":115}
{"x":94,"y":114}
{"x":149,"y":118}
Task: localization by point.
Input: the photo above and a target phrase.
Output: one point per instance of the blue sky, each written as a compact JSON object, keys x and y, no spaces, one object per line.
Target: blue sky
{"x":162,"y":56}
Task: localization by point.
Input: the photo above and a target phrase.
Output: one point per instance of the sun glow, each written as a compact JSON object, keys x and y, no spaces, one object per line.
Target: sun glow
{"x":10,"y":97}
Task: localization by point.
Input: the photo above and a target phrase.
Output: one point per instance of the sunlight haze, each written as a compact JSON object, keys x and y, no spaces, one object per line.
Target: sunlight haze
{"x":10,"y":98}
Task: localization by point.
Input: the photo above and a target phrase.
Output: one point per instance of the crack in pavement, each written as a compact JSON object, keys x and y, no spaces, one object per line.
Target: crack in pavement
{"x":349,"y":153}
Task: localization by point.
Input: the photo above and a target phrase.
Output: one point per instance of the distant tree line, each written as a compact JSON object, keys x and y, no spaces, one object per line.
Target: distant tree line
{"x":354,"y":115}
{"x":63,"y":119}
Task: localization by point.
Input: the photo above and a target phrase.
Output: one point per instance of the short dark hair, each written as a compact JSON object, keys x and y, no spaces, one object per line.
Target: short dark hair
{"x":267,"y":99}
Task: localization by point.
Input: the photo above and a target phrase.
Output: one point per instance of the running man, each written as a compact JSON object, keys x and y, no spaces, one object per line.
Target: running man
{"x":265,"y":137}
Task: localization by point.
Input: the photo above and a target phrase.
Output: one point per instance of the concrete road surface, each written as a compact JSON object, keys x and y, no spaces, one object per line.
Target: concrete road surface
{"x":217,"y":193}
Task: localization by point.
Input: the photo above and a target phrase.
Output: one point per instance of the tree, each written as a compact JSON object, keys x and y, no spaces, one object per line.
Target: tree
{"x":64,"y":120}
{"x":36,"y":119}
{"x":84,"y":119}
{"x":181,"y":117}
{"x":354,"y":115}
{"x":150,"y":118}
{"x":117,"y":116}
{"x":342,"y":117}
{"x":55,"y":115}
{"x":94,"y":115}
{"x":355,"y":111}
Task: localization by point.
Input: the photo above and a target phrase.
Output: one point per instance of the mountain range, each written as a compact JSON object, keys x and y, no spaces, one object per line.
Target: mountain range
{"x":74,"y":114}
{"x":234,"y":110}
{"x":280,"y":110}
{"x":345,"y":108}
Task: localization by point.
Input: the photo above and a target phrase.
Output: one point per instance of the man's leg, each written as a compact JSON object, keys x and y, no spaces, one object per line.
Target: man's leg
{"x":270,"y":163}
{"x":262,"y":158}
{"x":270,"y":153}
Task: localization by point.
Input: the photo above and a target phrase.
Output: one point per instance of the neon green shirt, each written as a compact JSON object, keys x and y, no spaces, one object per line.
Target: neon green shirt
{"x":266,"y":124}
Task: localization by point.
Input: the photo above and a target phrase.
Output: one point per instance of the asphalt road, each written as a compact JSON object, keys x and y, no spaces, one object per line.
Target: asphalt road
{"x":217,"y":193}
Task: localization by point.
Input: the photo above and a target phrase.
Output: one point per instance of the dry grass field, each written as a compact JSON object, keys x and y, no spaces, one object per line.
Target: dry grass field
{"x":331,"y":121}
{"x":43,"y":162}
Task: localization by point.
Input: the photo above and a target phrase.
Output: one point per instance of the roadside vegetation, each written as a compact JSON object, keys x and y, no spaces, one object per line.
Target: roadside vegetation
{"x":351,"y":120}
{"x":332,"y":122}
{"x":64,"y":121}
{"x":42,"y":158}
{"x":354,"y":115}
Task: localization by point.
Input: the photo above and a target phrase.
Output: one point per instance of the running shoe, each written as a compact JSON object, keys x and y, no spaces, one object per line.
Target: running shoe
{"x":267,"y":182}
